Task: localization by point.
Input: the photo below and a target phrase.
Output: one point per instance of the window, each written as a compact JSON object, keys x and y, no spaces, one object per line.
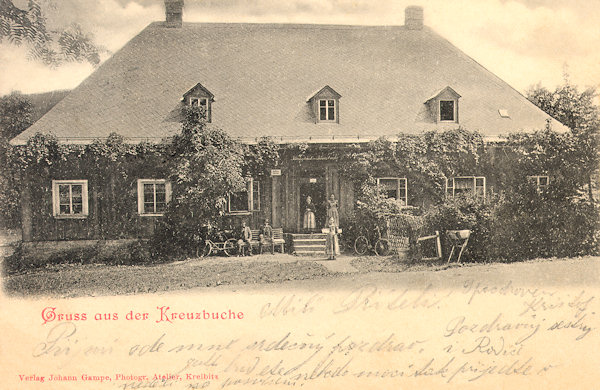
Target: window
{"x":153,"y":196}
{"x":203,"y":103}
{"x":443,"y":105}
{"x":326,"y":110}
{"x":447,"y":111}
{"x":246,"y":201}
{"x":325,"y":105}
{"x":70,"y":198}
{"x":199,"y":102}
{"x":540,"y":182}
{"x":199,"y":96}
{"x":466,"y":185}
{"x":393,"y":187}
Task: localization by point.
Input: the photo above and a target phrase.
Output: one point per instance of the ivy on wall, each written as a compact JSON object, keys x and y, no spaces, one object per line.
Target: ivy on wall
{"x":206,"y":164}
{"x":426,"y":160}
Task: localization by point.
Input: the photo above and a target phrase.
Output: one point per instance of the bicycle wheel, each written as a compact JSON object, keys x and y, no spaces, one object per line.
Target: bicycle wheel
{"x":361,"y":245}
{"x":382,"y":247}
{"x":230,"y":247}
{"x":206,"y":250}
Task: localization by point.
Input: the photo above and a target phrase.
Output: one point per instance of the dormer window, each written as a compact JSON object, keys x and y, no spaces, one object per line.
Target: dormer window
{"x":447,"y":113}
{"x":201,"y":97}
{"x":326,"y":110}
{"x":199,"y":102}
{"x":444,"y":106}
{"x":325,"y":105}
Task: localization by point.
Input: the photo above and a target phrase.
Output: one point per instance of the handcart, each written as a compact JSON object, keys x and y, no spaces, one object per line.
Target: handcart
{"x":459,"y":240}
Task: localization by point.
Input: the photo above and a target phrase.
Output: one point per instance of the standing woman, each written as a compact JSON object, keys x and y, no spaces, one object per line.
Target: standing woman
{"x":332,"y":247}
{"x":310,"y":222}
{"x":332,"y":210}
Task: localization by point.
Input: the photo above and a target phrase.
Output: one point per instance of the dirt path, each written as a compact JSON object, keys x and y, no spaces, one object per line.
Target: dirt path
{"x":583,"y":271}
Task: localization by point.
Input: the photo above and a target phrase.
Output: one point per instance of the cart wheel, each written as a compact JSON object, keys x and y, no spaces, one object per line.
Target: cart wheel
{"x":361,"y":245}
{"x":382,"y":247}
{"x":230,"y":246}
{"x":206,"y":250}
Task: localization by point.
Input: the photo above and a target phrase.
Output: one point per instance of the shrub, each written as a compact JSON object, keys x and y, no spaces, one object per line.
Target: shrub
{"x":542,"y":226}
{"x":459,"y":214}
{"x":132,"y":253}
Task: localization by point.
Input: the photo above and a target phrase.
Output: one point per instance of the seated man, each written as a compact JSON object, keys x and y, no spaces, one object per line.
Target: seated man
{"x":265,"y":237}
{"x":244,"y":238}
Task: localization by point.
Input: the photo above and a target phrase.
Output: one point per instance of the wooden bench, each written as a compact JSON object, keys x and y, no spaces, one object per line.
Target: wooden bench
{"x":278,"y":239}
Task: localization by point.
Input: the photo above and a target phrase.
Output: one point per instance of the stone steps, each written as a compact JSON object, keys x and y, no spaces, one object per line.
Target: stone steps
{"x":309,"y":244}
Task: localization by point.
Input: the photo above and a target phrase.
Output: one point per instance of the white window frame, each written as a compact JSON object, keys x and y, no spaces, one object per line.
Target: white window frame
{"x":56,"y":198}
{"x":140,"y":192}
{"x":454,"y":111}
{"x":327,"y":107}
{"x":250,"y":183}
{"x":535,"y":180}
{"x":451,"y":185}
{"x":404,"y":196}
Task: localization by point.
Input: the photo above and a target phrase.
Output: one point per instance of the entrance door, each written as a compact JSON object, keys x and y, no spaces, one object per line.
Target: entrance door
{"x":315,"y":188}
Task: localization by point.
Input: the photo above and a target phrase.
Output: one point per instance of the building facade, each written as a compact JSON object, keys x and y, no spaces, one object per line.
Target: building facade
{"x":323,"y":86}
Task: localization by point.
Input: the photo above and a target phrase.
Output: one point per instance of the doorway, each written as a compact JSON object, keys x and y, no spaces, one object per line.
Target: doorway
{"x":315,"y":188}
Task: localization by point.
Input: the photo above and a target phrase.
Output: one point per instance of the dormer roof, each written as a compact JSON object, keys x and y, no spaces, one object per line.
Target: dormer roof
{"x":324,"y":93}
{"x":199,"y":90}
{"x":444,"y":93}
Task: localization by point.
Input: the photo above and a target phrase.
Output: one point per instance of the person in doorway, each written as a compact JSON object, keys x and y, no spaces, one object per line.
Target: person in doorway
{"x":310,"y":223}
{"x":244,"y":238}
{"x":266,"y":237}
{"x":332,"y":210}
{"x":332,"y":247}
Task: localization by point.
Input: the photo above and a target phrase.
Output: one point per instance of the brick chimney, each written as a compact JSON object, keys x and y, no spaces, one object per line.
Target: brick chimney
{"x":174,"y":13}
{"x":413,"y":17}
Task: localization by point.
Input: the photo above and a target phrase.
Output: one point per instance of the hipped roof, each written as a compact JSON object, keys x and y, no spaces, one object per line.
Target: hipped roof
{"x":261,"y":74}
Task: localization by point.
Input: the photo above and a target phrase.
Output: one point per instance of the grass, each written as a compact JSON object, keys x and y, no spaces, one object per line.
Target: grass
{"x":71,"y":280}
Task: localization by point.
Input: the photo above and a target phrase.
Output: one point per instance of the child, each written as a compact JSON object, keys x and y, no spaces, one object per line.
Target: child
{"x":332,"y":244}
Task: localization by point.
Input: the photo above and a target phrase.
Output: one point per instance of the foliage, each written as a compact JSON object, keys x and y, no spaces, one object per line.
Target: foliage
{"x":15,"y":116}
{"x":578,"y":111}
{"x":459,"y":214}
{"x":29,"y":27}
{"x":120,"y":253}
{"x":426,"y":160}
{"x":206,"y":166}
{"x":520,"y":223}
{"x":543,"y":224}
{"x":261,"y":157}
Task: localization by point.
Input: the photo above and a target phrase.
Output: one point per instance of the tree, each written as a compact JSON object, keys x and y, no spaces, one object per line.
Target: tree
{"x":15,"y":116}
{"x":206,"y":165}
{"x":578,"y":112}
{"x":52,"y":47}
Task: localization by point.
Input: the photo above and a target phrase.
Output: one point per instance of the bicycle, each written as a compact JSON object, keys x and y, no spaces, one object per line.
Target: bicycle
{"x":382,"y":245}
{"x":220,"y":244}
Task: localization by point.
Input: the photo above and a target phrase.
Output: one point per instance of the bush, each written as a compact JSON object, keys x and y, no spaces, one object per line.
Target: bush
{"x":132,"y":253}
{"x":542,"y":226}
{"x":459,"y":214}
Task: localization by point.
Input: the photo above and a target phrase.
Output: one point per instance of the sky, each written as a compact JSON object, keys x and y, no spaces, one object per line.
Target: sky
{"x":524,"y":42}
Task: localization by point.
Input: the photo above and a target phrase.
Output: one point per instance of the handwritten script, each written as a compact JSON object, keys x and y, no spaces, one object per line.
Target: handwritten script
{"x":478,"y":333}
